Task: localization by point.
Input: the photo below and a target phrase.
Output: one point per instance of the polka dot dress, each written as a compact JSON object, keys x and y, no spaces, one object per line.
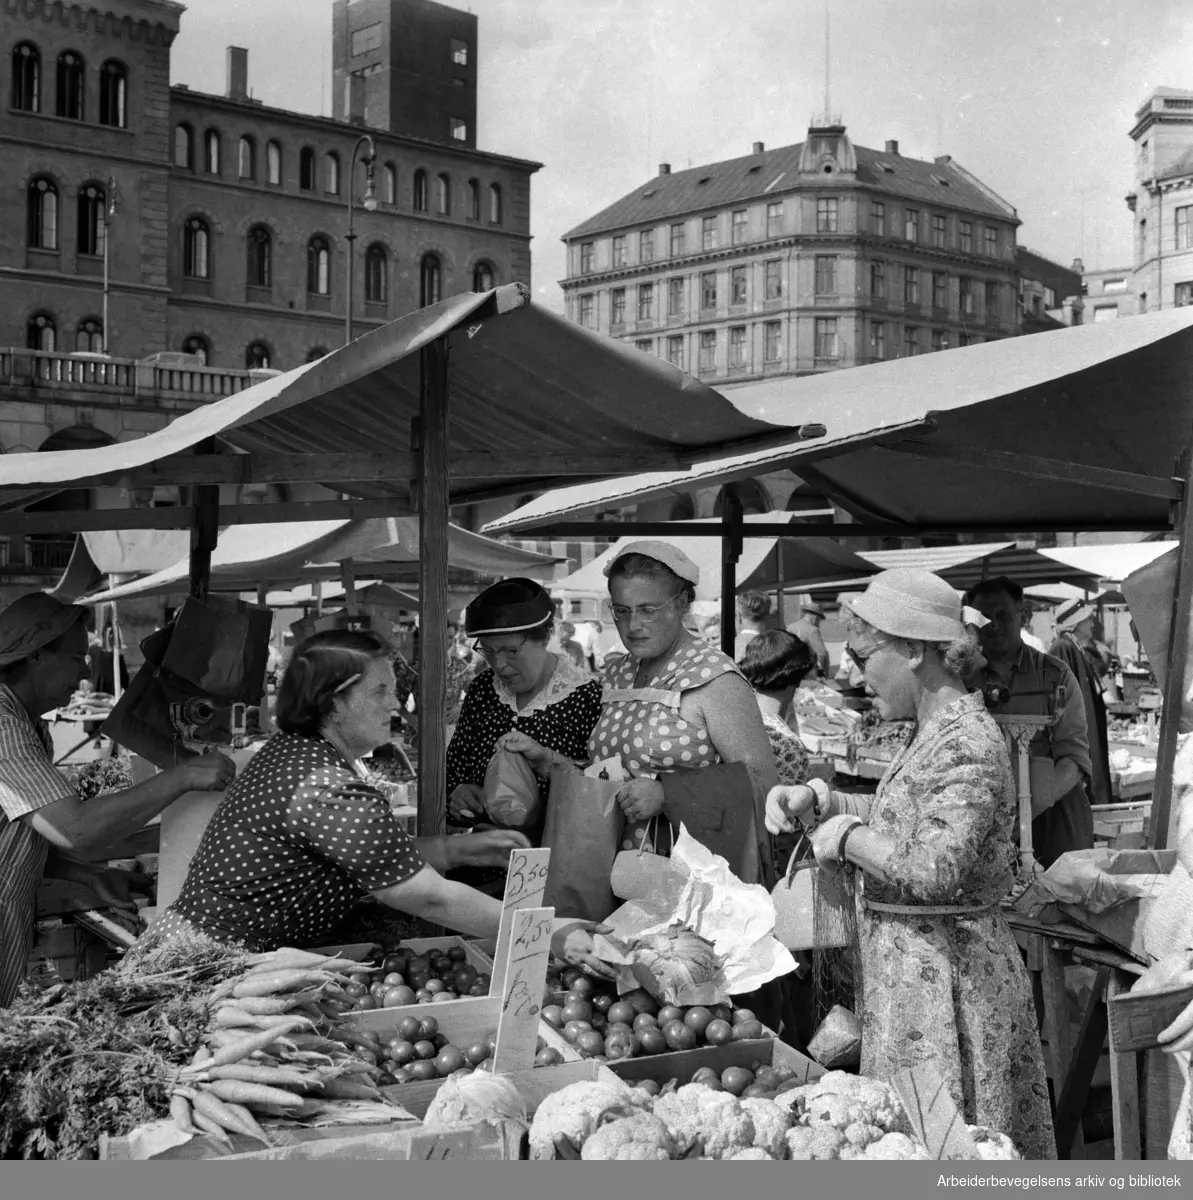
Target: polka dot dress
{"x":297,"y":841}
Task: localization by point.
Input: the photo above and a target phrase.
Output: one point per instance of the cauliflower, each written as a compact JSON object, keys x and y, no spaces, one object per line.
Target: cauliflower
{"x":640,"y":1138}
{"x":794,"y":1101}
{"x":475,"y":1098}
{"x":892,"y":1146}
{"x":843,"y":1100}
{"x":752,"y":1153}
{"x":576,"y":1110}
{"x":817,"y":1143}
{"x":715,"y":1122}
{"x":770,"y":1124}
{"x":991,"y":1144}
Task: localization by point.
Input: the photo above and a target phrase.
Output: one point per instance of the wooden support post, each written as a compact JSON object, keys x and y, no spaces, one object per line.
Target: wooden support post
{"x":1070,"y":1105}
{"x":348,"y":579}
{"x":205,"y":531}
{"x":433,"y":489}
{"x":1124,"y":1084}
{"x":731,"y":539}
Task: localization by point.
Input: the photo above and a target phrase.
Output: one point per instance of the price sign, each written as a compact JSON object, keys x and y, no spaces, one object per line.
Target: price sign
{"x":524,"y":887}
{"x":522,"y":996}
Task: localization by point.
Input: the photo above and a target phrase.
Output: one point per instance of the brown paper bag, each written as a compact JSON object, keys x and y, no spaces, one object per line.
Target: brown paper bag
{"x":512,"y":797}
{"x":583,"y":830}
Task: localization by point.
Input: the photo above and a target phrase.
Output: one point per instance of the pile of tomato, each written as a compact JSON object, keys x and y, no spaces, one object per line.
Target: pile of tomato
{"x":410,"y":978}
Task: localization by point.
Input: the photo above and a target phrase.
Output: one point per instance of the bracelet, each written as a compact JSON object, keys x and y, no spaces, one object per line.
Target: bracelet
{"x":844,"y":838}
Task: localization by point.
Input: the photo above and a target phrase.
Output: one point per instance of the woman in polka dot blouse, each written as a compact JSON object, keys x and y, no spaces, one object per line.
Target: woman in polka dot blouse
{"x":301,"y":837}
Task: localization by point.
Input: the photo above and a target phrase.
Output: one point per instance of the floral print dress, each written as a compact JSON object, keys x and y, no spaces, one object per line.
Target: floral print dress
{"x":952,"y":989}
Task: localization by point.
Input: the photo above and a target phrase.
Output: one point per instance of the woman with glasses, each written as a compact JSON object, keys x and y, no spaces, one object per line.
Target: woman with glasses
{"x":943,"y":981}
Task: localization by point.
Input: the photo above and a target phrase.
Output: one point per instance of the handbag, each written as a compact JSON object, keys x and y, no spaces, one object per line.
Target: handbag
{"x":583,"y":832}
{"x":814,"y":909}
{"x":637,"y":872}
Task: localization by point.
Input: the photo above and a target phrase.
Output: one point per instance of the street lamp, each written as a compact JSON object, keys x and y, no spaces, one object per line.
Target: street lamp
{"x":370,"y":205}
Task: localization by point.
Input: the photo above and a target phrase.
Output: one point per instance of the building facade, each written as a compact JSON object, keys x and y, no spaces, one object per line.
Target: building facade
{"x":808,"y":258}
{"x":1109,"y":293}
{"x":1050,"y":295}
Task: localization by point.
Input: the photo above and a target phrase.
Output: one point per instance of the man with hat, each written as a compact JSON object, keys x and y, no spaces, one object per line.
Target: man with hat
{"x":807,"y":629}
{"x":43,"y":658}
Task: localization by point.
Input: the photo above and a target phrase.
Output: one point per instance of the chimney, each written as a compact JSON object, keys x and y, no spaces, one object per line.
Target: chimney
{"x":1078,"y":267}
{"x":759,"y":147}
{"x":892,"y":147}
{"x":238,"y":73}
{"x":664,"y":168}
{"x":354,"y":99}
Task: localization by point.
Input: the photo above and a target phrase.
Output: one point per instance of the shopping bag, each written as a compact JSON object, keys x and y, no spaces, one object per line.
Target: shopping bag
{"x":637,"y":871}
{"x":512,"y":797}
{"x":814,"y":908}
{"x":582,"y":831}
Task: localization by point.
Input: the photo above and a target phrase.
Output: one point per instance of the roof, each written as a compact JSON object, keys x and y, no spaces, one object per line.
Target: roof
{"x":1079,"y":428}
{"x":755,"y":176}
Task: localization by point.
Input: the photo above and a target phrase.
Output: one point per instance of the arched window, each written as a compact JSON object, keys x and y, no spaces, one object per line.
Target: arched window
{"x":260,"y":272}
{"x":183,"y":138}
{"x":211,"y":151}
{"x":196,"y":249}
{"x":43,"y":214}
{"x":494,"y":204}
{"x":482,"y":277}
{"x":113,"y":94}
{"x":389,"y":184}
{"x":315,"y":353}
{"x":420,"y":190}
{"x":318,"y":267}
{"x":256,"y":356}
{"x":430,"y":280}
{"x":72,"y":75}
{"x":306,"y":169}
{"x":273,"y":163}
{"x":246,"y":159}
{"x":89,"y":337}
{"x":91,"y":219}
{"x":376,"y":274}
{"x":41,"y":333}
{"x":332,"y":176}
{"x":443,"y":195}
{"x":197,"y":346}
{"x":26,"y":77}
{"x":474,"y":200}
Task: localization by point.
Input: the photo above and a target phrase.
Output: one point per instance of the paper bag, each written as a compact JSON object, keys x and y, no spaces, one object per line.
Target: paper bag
{"x":838,"y":1042}
{"x":582,"y":831}
{"x":512,"y":797}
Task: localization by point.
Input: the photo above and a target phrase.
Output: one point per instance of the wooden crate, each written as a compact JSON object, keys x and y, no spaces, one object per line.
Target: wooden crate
{"x":473,"y":955}
{"x":683,"y":1064}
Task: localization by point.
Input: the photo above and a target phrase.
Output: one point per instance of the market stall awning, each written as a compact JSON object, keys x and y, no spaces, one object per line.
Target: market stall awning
{"x":248,"y":556}
{"x":1079,"y":428}
{"x":765,"y":563}
{"x":105,"y":552}
{"x":1112,"y":562}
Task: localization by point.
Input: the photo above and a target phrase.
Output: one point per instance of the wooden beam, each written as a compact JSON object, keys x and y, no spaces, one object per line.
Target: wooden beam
{"x":731,"y":546}
{"x":1036,"y":467}
{"x":562,"y":530}
{"x":206,"y":530}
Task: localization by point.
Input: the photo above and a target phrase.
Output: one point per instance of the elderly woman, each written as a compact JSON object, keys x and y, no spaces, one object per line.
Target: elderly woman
{"x":301,"y":837}
{"x":943,"y":980}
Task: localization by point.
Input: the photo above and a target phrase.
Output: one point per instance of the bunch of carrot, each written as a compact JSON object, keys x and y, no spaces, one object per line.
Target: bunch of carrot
{"x":273,"y":1050}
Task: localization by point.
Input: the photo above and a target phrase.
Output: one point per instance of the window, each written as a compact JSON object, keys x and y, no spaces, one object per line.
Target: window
{"x":940,"y":339}
{"x":991,"y":236}
{"x":1049,"y":297}
{"x":182,"y":147}
{"x":940,"y":289}
{"x":89,"y":336}
{"x":645,"y":345}
{"x":1182,"y":294}
{"x":911,"y":341}
{"x":826,"y":274}
{"x":246,"y":159}
{"x":315,"y":353}
{"x":619,"y":251}
{"x":965,"y":236}
{"x":911,"y":225}
{"x":617,"y":306}
{"x":459,"y":52}
{"x":708,"y":233}
{"x":443,"y":195}
{"x":586,"y":310}
{"x":26,"y":79}
{"x":273,"y":163}
{"x":459,"y":129}
{"x":677,"y":239}
{"x":430,"y":281}
{"x":420,"y":190}
{"x":826,"y":339}
{"x":675,"y":297}
{"x":646,"y":302}
{"x":772,"y":334}
{"x":211,"y":152}
{"x":965,"y":290}
{"x":197,"y":346}
{"x":991,"y":301}
{"x":740,"y":222}
{"x":878,"y":218}
{"x":474,"y":200}
{"x":738,"y":354}
{"x":878,"y":279}
{"x":737,"y":285}
{"x":494,"y":204}
{"x":1184,"y":235}
{"x":878,"y":340}
{"x":90,"y":225}
{"x":773,"y":277}
{"x":43,"y":214}
{"x":256,"y":356}
{"x":260,"y":260}
{"x":911,"y":286}
{"x":585,"y":258}
{"x":774,"y":218}
{"x":1143,"y":302}
{"x":938,"y":231}
{"x":708,"y":350}
{"x":708,"y":290}
{"x":1142,"y":237}
{"x":1114,"y":285}
{"x":71,"y":83}
{"x":675,"y":351}
{"x":826,"y":214}
{"x":41,"y":333}
{"x":963,"y":339}
{"x":646,"y":246}
{"x":331,"y":177}
{"x":113,"y":95}
{"x":318,"y":267}
{"x":389,"y":184}
{"x":306,"y":169}
{"x":367,"y":38}
{"x":376,"y":274}
{"x":483,"y":277}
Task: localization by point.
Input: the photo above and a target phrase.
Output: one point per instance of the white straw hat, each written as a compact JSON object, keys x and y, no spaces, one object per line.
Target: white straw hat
{"x":915,"y":604}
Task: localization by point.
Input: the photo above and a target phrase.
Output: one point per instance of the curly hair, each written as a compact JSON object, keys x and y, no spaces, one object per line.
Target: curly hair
{"x":754,"y":606}
{"x":775,"y":660}
{"x":960,"y":657}
{"x":319,"y":669}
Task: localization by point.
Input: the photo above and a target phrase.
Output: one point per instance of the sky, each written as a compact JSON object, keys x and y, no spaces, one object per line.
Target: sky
{"x":1035,"y":97}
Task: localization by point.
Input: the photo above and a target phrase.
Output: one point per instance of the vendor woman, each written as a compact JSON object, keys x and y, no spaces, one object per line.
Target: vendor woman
{"x":301,"y":837}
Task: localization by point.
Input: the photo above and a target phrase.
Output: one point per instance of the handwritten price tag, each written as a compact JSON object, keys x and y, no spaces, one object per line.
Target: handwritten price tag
{"x":524,"y":887}
{"x":522,"y":996}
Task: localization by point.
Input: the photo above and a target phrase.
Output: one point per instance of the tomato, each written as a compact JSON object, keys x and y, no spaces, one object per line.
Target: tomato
{"x":449,"y":1059}
{"x":477,"y":1053}
{"x":409,"y":1029}
{"x":746,"y":1030}
{"x":464,"y":977}
{"x":631,"y":1041}
{"x":368,"y":1056}
{"x":479,"y":989}
{"x":642,"y":1001}
{"x":705,"y":1073}
{"x":590,"y":1042}
{"x":484,"y":980}
{"x":393,"y":979}
{"x":354,"y":989}
{"x":764,"y":1090}
{"x":366,"y":1003}
{"x":622,"y":1011}
{"x":644,"y":1021}
{"x":385,"y":1079}
{"x":403,"y":1075}
{"x":457,"y":953}
{"x":602,"y":1002}
{"x":424,"y":1048}
{"x":548,"y":1058}
{"x":743,"y":1014}
{"x":573,"y":1029}
{"x":583,"y":987}
{"x":577,"y":1010}
{"x":678,"y":1036}
{"x":424,"y":1069}
{"x":718,"y":1032}
{"x":697,"y":1019}
{"x":491,"y":1040}
{"x":650,"y":1086}
{"x":570,"y":976}
{"x":652,"y":1041}
{"x":401,"y":1051}
{"x":418,"y":980}
{"x":722,"y":1012}
{"x":553,"y":1015}
{"x":736,"y":1079}
{"x":394,"y":962}
{"x":615,"y":1027}
{"x":768,"y":1076}
{"x":440,"y":997}
{"x":598,"y":1022}
{"x":396,"y":997}
{"x":669,"y":1012}
{"x":434,"y":986}
{"x":429,"y":1027}
{"x":423,"y":997}
{"x":418,"y":964}
{"x":439,"y":1041}
{"x":443,"y":965}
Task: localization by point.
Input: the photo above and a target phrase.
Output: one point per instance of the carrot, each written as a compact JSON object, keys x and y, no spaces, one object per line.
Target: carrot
{"x":262,"y":1006}
{"x":180,"y":1111}
{"x":243,"y":1047}
{"x":226,"y":1116}
{"x":313,"y":1041}
{"x":349,"y":1038}
{"x":287,"y":956}
{"x":347,"y":1089}
{"x":202,"y":1054}
{"x":214,"y":1130}
{"x":239,"y":1091}
{"x":251,"y":1123}
{"x":278,"y":981}
{"x":233,"y":1018}
{"x":274,"y":1076}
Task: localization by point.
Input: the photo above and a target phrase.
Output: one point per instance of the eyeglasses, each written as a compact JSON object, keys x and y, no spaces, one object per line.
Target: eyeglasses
{"x":648,"y":612}
{"x":504,"y":653}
